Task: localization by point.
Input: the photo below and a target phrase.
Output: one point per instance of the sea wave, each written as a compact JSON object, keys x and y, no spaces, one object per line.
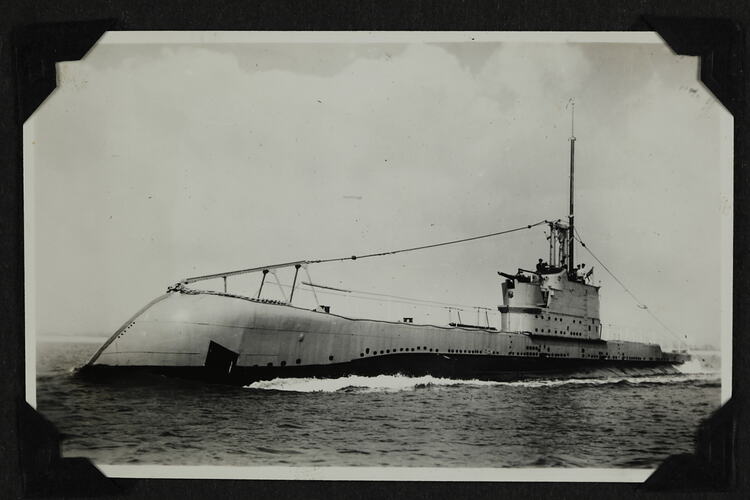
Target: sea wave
{"x":397,"y":383}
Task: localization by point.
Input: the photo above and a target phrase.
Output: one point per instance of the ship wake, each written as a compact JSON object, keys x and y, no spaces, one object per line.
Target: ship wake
{"x":398,"y":383}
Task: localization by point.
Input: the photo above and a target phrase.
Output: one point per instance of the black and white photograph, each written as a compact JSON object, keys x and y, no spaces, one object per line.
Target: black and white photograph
{"x":378,"y":255}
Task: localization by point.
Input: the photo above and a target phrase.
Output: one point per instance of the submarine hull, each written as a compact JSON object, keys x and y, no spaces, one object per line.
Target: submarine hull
{"x":238,"y":340}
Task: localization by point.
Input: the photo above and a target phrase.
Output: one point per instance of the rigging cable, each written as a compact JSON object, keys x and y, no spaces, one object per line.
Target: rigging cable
{"x":397,"y":298}
{"x":639,"y":303}
{"x":434,"y":245}
{"x":362,"y":295}
{"x":312,"y":287}
{"x":227,"y":274}
{"x":276,"y":277}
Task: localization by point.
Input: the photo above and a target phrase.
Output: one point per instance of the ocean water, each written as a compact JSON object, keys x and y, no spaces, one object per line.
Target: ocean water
{"x":392,"y":421}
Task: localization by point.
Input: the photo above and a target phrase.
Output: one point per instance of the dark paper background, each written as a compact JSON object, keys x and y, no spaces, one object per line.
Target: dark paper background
{"x":36,"y":35}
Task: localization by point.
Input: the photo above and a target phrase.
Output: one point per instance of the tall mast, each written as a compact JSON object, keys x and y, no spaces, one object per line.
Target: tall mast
{"x":571,"y":234}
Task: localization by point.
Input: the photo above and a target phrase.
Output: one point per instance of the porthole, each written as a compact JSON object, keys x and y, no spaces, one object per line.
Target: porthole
{"x":401,"y":350}
{"x":367,"y":351}
{"x":361,"y":354}
{"x":283,"y":363}
{"x":330,"y":358}
{"x":417,"y":348}
{"x":269,"y":364}
{"x":298,"y":361}
{"x":388,"y":351}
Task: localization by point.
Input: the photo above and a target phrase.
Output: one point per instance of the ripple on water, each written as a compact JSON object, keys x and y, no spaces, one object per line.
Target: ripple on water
{"x":275,"y":451}
{"x":609,"y":422}
{"x":347,"y":451}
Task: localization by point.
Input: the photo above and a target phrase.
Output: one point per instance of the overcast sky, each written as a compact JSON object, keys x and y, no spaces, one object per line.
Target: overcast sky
{"x":154,"y":162}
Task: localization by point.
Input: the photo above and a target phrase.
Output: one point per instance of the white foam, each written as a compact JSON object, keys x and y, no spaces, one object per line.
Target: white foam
{"x":386,"y":383}
{"x":702,"y":362}
{"x":692,"y":366}
{"x":397,"y":383}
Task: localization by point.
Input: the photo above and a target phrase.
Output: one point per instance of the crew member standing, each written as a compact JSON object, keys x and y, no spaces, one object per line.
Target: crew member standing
{"x":580,"y":273}
{"x":540,"y":266}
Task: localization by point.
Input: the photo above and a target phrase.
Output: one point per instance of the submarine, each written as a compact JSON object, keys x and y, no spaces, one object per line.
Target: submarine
{"x":550,"y":326}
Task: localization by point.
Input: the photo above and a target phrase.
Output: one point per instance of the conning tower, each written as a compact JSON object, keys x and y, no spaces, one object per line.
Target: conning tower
{"x":551,"y":301}
{"x":556,"y":300}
